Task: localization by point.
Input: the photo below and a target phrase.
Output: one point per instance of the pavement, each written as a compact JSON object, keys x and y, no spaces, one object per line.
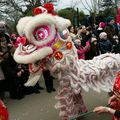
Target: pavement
{"x":41,"y":106}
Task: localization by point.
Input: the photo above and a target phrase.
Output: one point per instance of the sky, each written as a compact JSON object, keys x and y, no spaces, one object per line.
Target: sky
{"x":69,"y":3}
{"x":61,"y":4}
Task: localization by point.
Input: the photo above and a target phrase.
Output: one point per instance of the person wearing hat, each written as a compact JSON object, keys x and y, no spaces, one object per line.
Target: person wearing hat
{"x":113,"y":102}
{"x":104,"y":43}
{"x":80,"y":49}
{"x":110,"y":29}
{"x":94,"y":47}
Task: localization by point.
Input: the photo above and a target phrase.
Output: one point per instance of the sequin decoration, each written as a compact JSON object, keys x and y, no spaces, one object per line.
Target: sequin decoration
{"x":58,"y":55}
{"x":69,"y":45}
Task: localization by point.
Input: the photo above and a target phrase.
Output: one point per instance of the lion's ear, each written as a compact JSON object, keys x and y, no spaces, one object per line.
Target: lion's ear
{"x":22,"y":23}
{"x":62,"y":23}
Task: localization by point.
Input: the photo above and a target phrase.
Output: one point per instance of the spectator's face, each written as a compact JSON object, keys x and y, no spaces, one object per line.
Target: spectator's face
{"x":83,"y":29}
{"x":78,"y":42}
{"x":112,"y":22}
{"x":105,"y":37}
{"x":72,"y":29}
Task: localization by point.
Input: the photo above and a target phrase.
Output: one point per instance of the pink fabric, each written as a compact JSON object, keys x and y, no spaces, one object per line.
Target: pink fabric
{"x":102,"y":25}
{"x":82,"y":50}
{"x":81,"y":53}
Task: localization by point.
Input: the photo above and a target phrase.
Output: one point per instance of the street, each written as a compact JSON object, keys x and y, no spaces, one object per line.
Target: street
{"x":41,"y":106}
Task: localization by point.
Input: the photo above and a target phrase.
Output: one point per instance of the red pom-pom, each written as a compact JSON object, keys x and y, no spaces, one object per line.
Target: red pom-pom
{"x":49,"y":7}
{"x":21,"y":40}
{"x":37,"y":11}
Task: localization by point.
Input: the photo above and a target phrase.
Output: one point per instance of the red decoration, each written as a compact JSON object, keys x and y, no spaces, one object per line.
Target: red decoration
{"x":116,"y":87}
{"x":69,"y":45}
{"x":58,"y":55}
{"x":118,"y":16}
{"x":49,"y":7}
{"x":3,"y":111}
{"x":21,"y":40}
{"x":37,"y":11}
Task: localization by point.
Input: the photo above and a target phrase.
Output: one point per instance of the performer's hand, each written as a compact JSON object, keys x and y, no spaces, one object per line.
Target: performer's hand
{"x":19,"y":73}
{"x":111,"y":99}
{"x":100,"y":109}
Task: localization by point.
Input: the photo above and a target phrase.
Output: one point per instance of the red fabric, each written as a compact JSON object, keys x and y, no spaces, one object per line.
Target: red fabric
{"x":116,"y":89}
{"x":3,"y":112}
{"x":49,"y":7}
{"x":118,"y":19}
{"x":115,"y":105}
{"x":36,"y":11}
{"x":118,"y":16}
{"x":21,"y":40}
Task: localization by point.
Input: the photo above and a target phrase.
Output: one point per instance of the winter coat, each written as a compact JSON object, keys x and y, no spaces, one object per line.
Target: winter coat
{"x":110,"y":30}
{"x":82,"y":50}
{"x":105,"y":46}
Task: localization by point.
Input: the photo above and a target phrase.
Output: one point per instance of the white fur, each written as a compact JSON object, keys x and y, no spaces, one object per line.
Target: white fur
{"x":39,"y":20}
{"x":33,"y":79}
{"x":22,"y":23}
{"x":33,"y":57}
{"x":62,"y":23}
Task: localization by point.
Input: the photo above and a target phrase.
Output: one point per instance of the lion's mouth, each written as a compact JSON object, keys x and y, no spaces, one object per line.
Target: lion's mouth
{"x":25,"y":50}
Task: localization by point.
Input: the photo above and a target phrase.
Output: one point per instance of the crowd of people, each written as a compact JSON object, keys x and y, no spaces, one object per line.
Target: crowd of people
{"x":93,"y":41}
{"x":13,"y":75}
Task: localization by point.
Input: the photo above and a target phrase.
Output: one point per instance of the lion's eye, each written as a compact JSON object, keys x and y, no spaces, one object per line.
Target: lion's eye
{"x":64,"y":34}
{"x":42,"y":33}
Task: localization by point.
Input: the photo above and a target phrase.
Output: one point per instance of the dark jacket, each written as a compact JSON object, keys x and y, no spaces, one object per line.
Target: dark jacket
{"x":105,"y":46}
{"x":110,"y":30}
{"x":117,"y":113}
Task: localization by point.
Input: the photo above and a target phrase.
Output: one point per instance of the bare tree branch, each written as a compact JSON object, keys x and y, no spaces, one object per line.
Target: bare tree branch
{"x":89,"y":10}
{"x":88,"y":5}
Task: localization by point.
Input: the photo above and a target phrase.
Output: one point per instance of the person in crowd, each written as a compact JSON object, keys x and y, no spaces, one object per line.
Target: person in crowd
{"x":18,"y":90}
{"x":113,"y":102}
{"x":7,"y":62}
{"x":13,"y":38}
{"x":72,"y":33}
{"x":48,"y":80}
{"x":81,"y":33}
{"x":87,"y":38}
{"x":110,"y":29}
{"x":102,"y":25}
{"x":99,"y":29}
{"x":2,"y":82}
{"x":104,"y":43}
{"x":80,"y":49}
{"x":94,"y":48}
{"x":116,"y":48}
{"x":17,"y":86}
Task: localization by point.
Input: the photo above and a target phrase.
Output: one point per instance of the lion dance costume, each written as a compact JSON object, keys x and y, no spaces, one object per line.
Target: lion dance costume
{"x":116,"y":89}
{"x":47,"y":43}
